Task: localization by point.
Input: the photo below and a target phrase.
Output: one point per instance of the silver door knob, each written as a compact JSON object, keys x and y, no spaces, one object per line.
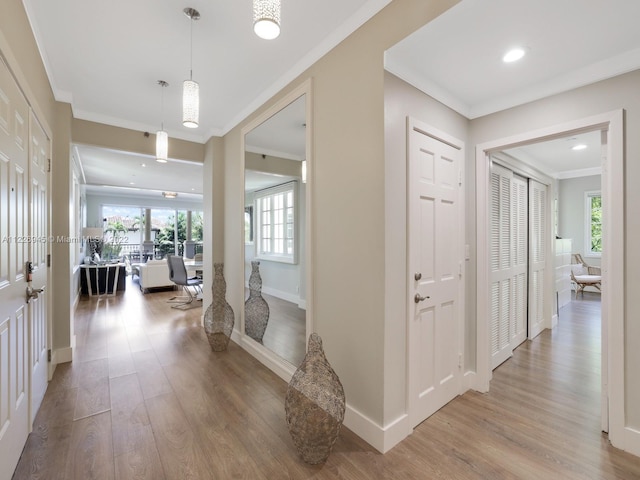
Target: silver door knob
{"x":33,"y":292}
{"x":419,"y":298}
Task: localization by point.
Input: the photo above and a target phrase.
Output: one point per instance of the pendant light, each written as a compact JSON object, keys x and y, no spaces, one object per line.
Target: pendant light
{"x":162,"y":139}
{"x":191,"y":89}
{"x":266,"y":18}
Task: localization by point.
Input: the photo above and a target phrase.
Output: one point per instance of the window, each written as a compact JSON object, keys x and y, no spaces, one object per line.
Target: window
{"x":276,"y":223}
{"x":593,"y":224}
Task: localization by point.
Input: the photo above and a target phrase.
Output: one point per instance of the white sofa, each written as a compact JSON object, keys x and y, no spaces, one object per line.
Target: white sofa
{"x":154,"y":274}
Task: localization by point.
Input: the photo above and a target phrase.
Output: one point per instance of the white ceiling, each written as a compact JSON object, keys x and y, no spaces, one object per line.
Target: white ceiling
{"x":106,"y":57}
{"x":557,"y":159}
{"x":457,"y":58}
{"x":131,"y":174}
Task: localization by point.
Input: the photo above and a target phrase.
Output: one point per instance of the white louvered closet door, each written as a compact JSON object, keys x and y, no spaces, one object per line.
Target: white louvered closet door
{"x":501,"y":262}
{"x":509,"y":249}
{"x":520,"y":245}
{"x":537,"y":255}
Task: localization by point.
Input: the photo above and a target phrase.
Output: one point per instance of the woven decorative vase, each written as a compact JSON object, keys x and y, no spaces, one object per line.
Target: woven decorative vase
{"x":256,"y":308}
{"x":219,"y":318}
{"x":314,"y":405}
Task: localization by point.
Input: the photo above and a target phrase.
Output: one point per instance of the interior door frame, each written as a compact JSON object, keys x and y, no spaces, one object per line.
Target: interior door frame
{"x":613,"y":295}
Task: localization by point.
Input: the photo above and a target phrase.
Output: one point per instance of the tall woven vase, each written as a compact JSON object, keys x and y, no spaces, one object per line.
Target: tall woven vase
{"x":314,"y":405}
{"x":256,"y":308}
{"x":219,"y":318}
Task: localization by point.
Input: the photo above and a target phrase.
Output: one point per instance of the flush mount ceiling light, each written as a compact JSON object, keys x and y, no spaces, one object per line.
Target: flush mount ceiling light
{"x":162,"y":138}
{"x":169,"y":194}
{"x":266,"y":18}
{"x":513,"y":55}
{"x":191,"y":89}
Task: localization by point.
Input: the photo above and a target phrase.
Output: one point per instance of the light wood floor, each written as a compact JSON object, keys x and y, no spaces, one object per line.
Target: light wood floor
{"x":286,"y":331}
{"x":145,"y":398}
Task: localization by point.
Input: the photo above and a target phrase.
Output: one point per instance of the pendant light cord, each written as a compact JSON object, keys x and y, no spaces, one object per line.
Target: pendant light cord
{"x":191,"y":52}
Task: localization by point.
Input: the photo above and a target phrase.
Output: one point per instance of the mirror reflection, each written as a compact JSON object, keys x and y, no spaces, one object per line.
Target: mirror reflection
{"x":274,"y":219}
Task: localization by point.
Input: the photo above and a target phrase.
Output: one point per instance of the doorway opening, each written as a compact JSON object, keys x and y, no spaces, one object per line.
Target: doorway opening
{"x":610,"y":128}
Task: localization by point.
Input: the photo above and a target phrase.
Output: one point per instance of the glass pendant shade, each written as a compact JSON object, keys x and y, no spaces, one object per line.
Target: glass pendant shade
{"x":162,"y":146}
{"x":190,"y":104}
{"x":266,"y":18}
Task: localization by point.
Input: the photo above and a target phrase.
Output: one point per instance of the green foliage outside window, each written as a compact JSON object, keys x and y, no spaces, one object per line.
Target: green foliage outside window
{"x":596,"y":223}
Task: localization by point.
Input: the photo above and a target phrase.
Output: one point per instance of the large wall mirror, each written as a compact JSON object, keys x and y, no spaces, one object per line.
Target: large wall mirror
{"x":276,"y":231}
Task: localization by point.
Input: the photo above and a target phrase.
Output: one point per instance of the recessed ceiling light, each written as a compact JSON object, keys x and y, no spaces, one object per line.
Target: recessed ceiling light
{"x":581,"y":146}
{"x":143,"y":164}
{"x":131,"y":183}
{"x":513,"y":55}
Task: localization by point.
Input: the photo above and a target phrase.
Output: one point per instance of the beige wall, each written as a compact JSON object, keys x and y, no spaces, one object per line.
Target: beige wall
{"x":402,"y":100}
{"x":107,"y":136}
{"x":601,"y":97}
{"x":18,"y":46}
{"x":348,"y":180}
{"x":213,"y":200}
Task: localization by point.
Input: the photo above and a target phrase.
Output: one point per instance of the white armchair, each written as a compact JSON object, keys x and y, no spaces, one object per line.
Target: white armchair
{"x":154,"y":274}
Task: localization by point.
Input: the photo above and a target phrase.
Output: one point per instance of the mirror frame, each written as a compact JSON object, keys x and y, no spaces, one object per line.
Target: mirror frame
{"x":281,"y":367}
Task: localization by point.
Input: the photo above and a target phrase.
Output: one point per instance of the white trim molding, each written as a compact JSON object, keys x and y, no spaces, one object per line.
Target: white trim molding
{"x":611,"y":125}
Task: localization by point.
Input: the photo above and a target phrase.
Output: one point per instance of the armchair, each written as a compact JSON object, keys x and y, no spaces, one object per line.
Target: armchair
{"x":583,"y":275}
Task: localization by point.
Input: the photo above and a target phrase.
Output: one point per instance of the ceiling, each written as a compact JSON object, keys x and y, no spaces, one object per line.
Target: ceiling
{"x":112,"y":78}
{"x":457,"y":59}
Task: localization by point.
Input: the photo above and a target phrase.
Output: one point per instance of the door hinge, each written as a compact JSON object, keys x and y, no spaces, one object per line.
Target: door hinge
{"x":48,"y":165}
{"x":49,"y":355}
{"x":48,"y":260}
{"x":460,"y":177}
{"x":459,"y":360}
{"x":460,"y":269}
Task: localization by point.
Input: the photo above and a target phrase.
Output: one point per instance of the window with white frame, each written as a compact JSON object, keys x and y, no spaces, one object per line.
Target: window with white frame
{"x":593,"y":224}
{"x":275,"y":214}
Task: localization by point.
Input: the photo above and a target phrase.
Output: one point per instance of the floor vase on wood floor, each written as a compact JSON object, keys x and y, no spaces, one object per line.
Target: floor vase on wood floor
{"x":219,"y":318}
{"x":256,"y":308}
{"x":314,"y":405}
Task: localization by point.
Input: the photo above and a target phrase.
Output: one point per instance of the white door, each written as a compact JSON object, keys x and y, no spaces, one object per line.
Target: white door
{"x":435,"y":269}
{"x":537,"y":255}
{"x":39,"y":165}
{"x":508,"y":262}
{"x":500,"y":262}
{"x":14,"y":250}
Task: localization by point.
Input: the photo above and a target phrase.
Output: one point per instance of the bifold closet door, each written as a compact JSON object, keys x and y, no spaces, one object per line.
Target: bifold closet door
{"x":537,"y":255}
{"x":508,"y":262}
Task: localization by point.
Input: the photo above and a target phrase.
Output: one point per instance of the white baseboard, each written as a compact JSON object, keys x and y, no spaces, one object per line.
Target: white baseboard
{"x":62,"y":355}
{"x":629,"y":441}
{"x":289,"y":297}
{"x":469,"y":380}
{"x":382,"y":439}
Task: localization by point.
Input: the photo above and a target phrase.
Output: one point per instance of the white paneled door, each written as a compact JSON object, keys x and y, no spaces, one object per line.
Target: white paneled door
{"x":23,"y":238}
{"x":14,"y":215}
{"x":435,"y":269}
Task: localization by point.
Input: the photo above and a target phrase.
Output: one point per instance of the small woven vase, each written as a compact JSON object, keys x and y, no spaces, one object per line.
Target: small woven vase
{"x":256,"y":308}
{"x":314,"y":405}
{"x":219,"y":318}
